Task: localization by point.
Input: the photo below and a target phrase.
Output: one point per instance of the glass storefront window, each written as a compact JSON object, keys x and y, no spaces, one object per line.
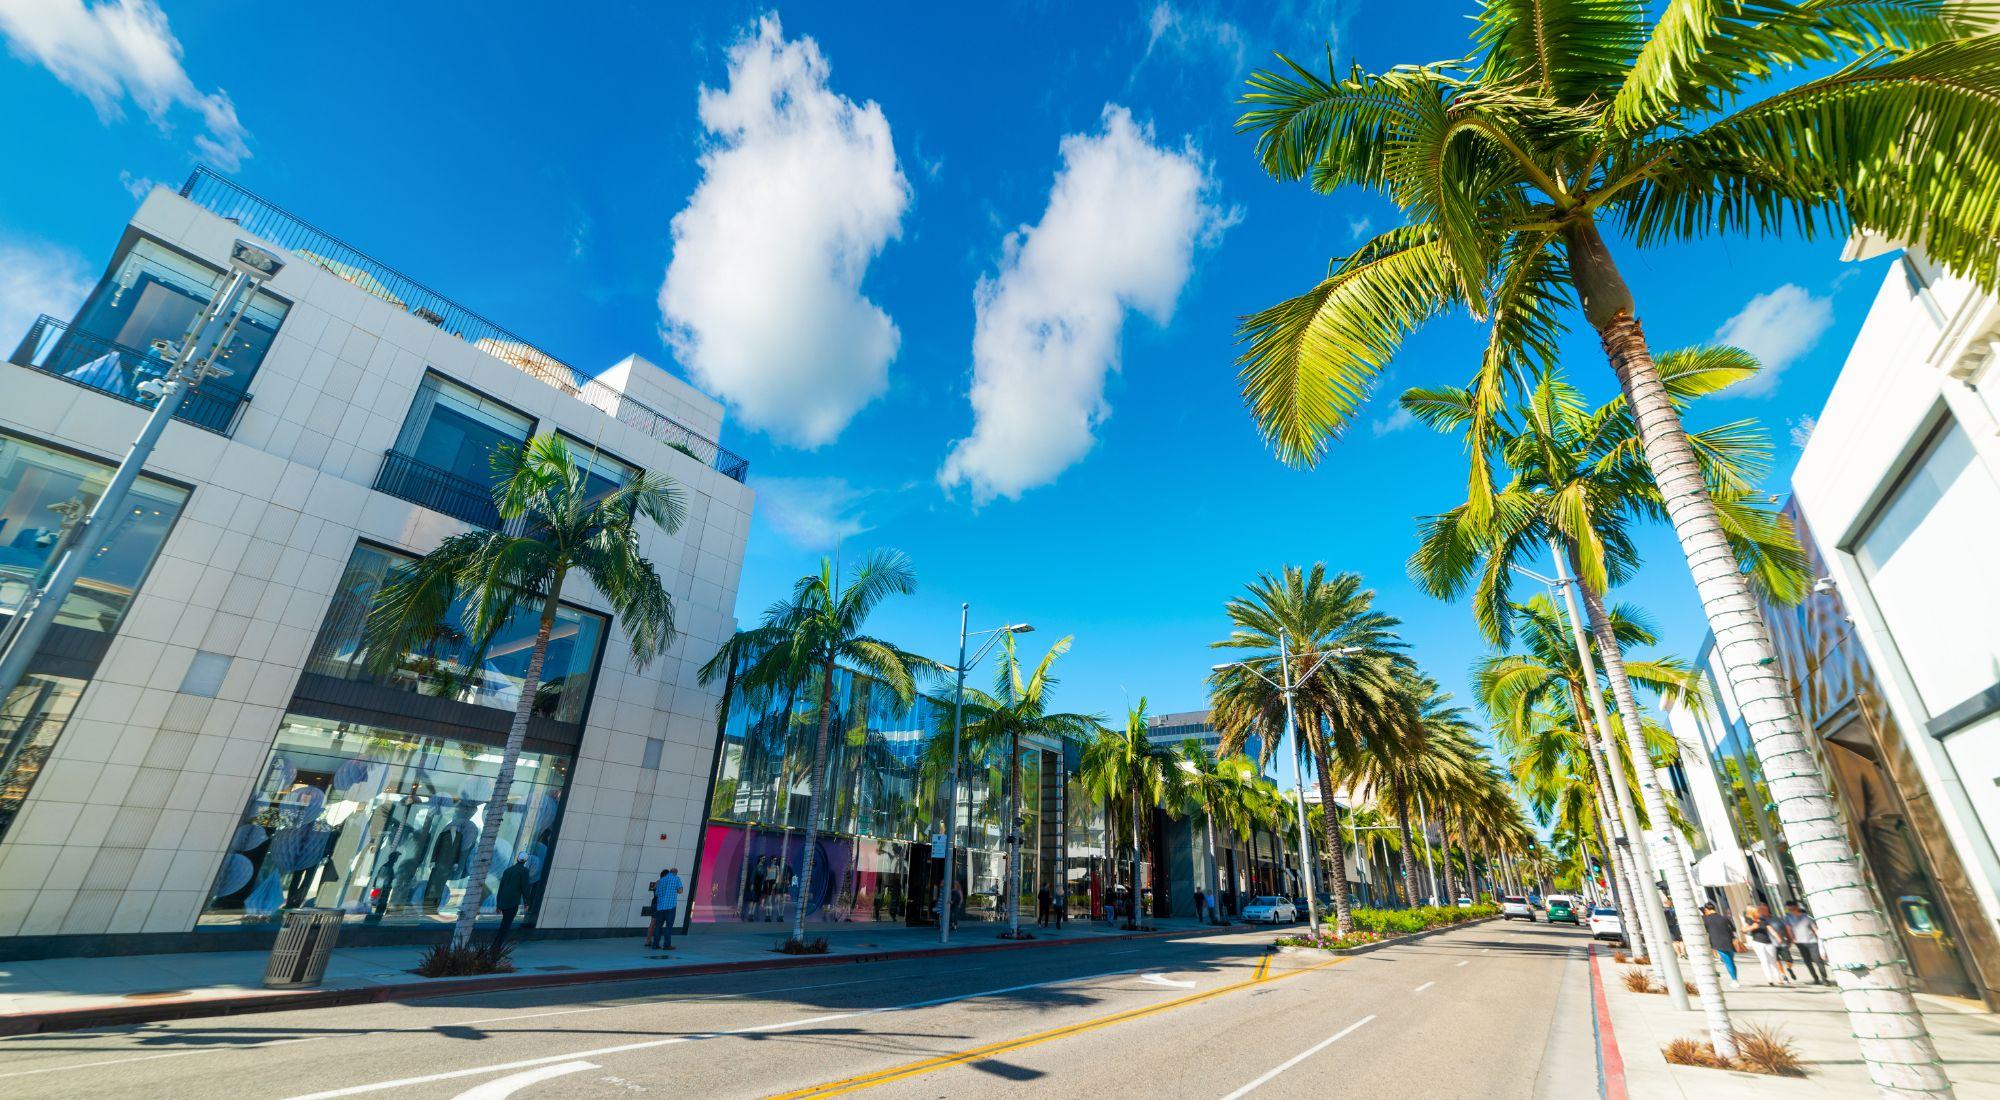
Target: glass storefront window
{"x":154,"y":294}
{"x":449,"y":665}
{"x":35,"y":711}
{"x":1925,"y":560}
{"x":602,"y":472}
{"x":456,"y":430}
{"x":382,"y":824}
{"x":41,"y":491}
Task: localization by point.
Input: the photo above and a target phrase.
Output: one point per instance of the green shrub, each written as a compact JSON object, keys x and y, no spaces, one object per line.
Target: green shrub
{"x":1402,"y":922}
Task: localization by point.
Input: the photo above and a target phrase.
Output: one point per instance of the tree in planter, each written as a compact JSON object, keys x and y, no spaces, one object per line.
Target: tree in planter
{"x":1126,"y":772}
{"x":554,"y":524}
{"x":802,"y":641}
{"x":1508,"y":166}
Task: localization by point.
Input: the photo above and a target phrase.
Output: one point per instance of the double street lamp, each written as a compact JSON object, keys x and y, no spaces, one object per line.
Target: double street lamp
{"x":948,"y":835}
{"x":1288,"y":688}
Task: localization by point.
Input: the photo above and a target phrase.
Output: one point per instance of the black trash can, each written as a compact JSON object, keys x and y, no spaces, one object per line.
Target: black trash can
{"x":298,"y":959}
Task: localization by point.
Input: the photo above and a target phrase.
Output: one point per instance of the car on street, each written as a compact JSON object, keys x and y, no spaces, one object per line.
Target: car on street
{"x":1464,"y":902}
{"x":1604,"y":924}
{"x":1563,"y":909}
{"x":1270,"y":910}
{"x":1514,"y":905}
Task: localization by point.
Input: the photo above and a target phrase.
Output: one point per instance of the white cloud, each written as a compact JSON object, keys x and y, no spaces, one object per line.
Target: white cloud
{"x":118,"y":49}
{"x":813,"y":513}
{"x":1190,"y":33}
{"x":136,"y":186}
{"x":1777,"y":327}
{"x":762,"y":300}
{"x":1358,"y":228}
{"x":37,"y":278}
{"x":1124,"y":217}
{"x":1395,"y":422}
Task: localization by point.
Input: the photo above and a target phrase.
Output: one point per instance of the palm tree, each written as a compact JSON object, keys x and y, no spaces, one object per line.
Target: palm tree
{"x":796,"y":649}
{"x":1214,"y":787}
{"x":999,"y":722}
{"x":1578,"y":486}
{"x":1121,"y":768}
{"x":553,"y":523}
{"x":1508,"y":163}
{"x":1342,"y":652}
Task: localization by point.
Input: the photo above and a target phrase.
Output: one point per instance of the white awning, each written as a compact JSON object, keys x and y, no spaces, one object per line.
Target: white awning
{"x":1724,"y":868}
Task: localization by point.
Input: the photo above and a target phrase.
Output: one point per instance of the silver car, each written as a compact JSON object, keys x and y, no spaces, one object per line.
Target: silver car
{"x":1270,"y":910}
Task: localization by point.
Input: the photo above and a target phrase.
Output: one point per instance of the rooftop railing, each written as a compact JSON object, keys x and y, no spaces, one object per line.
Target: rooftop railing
{"x":225,"y":199}
{"x":86,"y":359}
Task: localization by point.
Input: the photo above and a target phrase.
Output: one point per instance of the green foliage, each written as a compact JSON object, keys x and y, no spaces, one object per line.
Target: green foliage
{"x":458,"y":960}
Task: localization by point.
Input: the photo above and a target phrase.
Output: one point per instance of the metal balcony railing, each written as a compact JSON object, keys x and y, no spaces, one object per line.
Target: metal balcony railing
{"x":223,"y":198}
{"x":437,"y":489}
{"x":85,"y":359}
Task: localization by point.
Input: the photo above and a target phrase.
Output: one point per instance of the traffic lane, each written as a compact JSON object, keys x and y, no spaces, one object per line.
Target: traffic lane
{"x":1423,"y":1016}
{"x":342,"y":1045}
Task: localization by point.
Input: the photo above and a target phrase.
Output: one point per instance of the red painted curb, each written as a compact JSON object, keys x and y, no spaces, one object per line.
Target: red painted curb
{"x":1612,"y":1063}
{"x":78,"y":1019}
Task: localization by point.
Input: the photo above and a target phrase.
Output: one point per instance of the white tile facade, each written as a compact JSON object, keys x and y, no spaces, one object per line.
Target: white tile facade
{"x":125,"y":828}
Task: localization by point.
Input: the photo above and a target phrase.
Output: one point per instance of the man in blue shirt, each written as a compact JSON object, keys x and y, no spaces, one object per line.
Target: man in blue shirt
{"x":666,"y":899}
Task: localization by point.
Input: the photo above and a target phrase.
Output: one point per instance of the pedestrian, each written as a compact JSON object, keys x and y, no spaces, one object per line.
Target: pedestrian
{"x":1061,"y":907}
{"x":513,"y":887}
{"x":666,"y":900}
{"x":1042,"y":907}
{"x":1721,"y":937}
{"x":1765,"y":935}
{"x":1674,"y":928}
{"x":957,"y":905}
{"x":1805,"y":936}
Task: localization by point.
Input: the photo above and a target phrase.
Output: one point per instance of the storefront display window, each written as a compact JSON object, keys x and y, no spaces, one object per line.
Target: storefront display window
{"x":154,"y":294}
{"x":35,"y":713}
{"x":382,"y":824}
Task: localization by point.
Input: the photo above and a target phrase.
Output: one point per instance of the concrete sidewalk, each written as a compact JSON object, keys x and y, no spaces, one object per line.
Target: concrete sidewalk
{"x":36,"y":994}
{"x":1812,"y":1018}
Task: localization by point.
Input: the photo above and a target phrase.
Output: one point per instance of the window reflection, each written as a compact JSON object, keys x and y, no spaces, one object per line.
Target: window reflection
{"x":448,"y":665}
{"x":42,"y":491}
{"x":155,"y":293}
{"x":456,"y":430}
{"x":382,"y":824}
{"x":35,"y":711}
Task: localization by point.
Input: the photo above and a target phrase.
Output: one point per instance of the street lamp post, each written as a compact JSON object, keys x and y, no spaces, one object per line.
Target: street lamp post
{"x":193,"y":361}
{"x":944,"y":908}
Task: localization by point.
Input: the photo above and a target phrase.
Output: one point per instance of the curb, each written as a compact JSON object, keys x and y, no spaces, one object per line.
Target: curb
{"x":79,"y":1019}
{"x":1610,"y":1063}
{"x":1365,"y":948}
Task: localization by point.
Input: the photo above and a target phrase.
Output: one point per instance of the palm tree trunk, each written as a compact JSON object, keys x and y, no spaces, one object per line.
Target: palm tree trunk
{"x":1444,"y":834}
{"x":1132,"y":923}
{"x":1679,"y":886}
{"x":1013,"y":834}
{"x":1214,"y":869}
{"x":816,"y":783}
{"x":1403,"y":824}
{"x":1623,"y":883}
{"x":496,"y":806}
{"x":1860,"y":949}
{"x":1336,"y":850}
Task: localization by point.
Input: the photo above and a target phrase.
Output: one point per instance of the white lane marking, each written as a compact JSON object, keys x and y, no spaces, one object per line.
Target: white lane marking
{"x":507,"y":1086}
{"x":1423,"y":987}
{"x":1462,"y":962}
{"x":651,"y":1044}
{"x":156,"y":1057}
{"x":1300,"y":1057}
{"x":1157,"y":978}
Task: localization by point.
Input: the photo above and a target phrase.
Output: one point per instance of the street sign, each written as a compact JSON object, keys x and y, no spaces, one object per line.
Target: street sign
{"x":937,"y":845}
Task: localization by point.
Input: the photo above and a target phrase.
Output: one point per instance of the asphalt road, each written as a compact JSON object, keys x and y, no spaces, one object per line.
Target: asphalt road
{"x":1479,"y":1011}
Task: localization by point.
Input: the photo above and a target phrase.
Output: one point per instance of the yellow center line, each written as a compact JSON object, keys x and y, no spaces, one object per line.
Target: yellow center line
{"x":932,"y":1065}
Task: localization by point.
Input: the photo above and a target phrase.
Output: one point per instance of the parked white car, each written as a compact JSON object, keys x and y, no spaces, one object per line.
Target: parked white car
{"x":1604,"y":924}
{"x":1514,"y":905}
{"x":1270,"y":911}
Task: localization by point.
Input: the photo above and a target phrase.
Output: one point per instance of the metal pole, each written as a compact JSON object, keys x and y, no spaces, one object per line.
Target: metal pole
{"x":1298,"y":787}
{"x":1430,"y":869}
{"x":951,"y":813}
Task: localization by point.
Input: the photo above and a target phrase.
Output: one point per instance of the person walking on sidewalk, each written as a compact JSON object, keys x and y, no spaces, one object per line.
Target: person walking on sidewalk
{"x":1042,"y":908}
{"x":1721,"y":937}
{"x":666,"y":900}
{"x":513,"y":887}
{"x":1765,"y":934}
{"x":1805,"y":936}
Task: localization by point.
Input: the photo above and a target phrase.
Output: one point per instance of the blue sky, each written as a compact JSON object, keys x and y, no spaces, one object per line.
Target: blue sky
{"x":847,"y":193}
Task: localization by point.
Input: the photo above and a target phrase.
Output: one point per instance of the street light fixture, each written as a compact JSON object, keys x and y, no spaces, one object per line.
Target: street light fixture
{"x":1288,"y":688}
{"x":944,"y":907}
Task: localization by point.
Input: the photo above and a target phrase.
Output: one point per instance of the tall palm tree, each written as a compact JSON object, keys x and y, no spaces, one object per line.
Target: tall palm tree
{"x":1019,"y":708}
{"x":553,"y":524}
{"x":1214,"y":787}
{"x":1578,"y":485}
{"x":1667,"y":122}
{"x":1434,"y":748}
{"x":1342,"y":654}
{"x":796,"y":649}
{"x":1121,"y":768}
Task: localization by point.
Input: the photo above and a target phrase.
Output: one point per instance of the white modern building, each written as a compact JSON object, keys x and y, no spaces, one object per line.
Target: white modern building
{"x":201,"y":744}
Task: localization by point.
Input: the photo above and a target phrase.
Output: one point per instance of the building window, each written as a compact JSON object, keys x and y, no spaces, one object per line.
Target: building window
{"x":1927,"y":559}
{"x":602,"y":472}
{"x":41,"y":491}
{"x":449,"y":665}
{"x":443,"y":459}
{"x":35,"y":711}
{"x":154,"y":293}
{"x":382,"y":824}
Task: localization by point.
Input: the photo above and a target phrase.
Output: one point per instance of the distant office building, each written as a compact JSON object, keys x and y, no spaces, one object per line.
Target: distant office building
{"x":1169,"y":730}
{"x":202,"y":744}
